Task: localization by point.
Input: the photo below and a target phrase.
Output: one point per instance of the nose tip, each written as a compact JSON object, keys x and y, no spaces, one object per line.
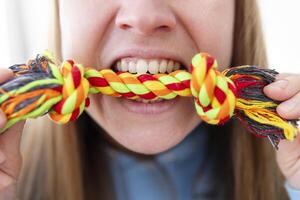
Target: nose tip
{"x":146,"y":17}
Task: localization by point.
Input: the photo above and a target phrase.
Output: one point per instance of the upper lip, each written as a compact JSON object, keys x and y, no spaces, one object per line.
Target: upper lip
{"x":147,"y":54}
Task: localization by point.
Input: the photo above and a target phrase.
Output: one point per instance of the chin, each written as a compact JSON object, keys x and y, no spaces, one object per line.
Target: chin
{"x":142,"y":126}
{"x":151,"y":139}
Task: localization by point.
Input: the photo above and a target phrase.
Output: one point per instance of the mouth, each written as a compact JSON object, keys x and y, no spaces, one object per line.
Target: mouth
{"x":148,"y":107}
{"x":137,"y":61}
{"x":147,"y":60}
{"x":137,"y":65}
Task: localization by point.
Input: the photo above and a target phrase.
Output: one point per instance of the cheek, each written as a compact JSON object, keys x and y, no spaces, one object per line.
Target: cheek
{"x":211,"y":25}
{"x":82,"y":28}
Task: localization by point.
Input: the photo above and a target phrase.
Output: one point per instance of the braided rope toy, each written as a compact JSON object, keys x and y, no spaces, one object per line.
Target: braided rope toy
{"x":41,"y":87}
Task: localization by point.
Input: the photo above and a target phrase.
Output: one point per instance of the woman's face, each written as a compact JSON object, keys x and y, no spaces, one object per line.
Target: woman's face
{"x":145,"y":35}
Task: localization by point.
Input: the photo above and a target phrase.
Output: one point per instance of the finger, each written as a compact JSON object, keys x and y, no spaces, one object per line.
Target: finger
{"x":288,"y":148}
{"x":283,"y":88}
{"x":10,"y":142}
{"x":290,"y":109}
{"x":11,"y":159}
{"x":10,"y":139}
{"x":5,"y":74}
{"x":288,"y":153}
{"x":3,"y":119}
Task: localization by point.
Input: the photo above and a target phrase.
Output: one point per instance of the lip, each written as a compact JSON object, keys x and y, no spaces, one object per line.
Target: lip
{"x":148,"y":108}
{"x":145,"y":53}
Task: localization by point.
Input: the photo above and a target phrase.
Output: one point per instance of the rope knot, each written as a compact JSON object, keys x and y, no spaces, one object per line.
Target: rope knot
{"x":74,"y":90}
{"x":214,"y":93}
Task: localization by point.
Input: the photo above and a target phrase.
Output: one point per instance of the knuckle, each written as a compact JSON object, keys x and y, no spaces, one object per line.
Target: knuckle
{"x":3,"y":120}
{"x":5,"y":74}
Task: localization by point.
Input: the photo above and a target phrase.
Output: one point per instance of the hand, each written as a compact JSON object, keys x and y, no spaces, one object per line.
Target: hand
{"x":10,"y":156}
{"x":286,"y":88}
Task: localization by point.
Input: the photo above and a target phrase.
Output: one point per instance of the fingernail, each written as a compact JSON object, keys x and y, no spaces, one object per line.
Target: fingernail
{"x":280,"y":84}
{"x":289,"y":105}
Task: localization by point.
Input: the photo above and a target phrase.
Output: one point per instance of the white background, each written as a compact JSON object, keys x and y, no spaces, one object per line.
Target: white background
{"x":281,"y":23}
{"x":23,"y":29}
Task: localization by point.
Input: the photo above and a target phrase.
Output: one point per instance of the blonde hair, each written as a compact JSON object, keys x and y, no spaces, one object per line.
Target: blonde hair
{"x":55,"y":158}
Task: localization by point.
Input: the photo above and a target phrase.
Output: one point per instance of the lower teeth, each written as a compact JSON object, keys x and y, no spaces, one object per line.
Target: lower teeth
{"x":148,"y":101}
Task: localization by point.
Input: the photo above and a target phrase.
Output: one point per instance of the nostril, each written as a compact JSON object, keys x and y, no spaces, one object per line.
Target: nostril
{"x":164,"y":28}
{"x":136,"y":18}
{"x":124,"y":26}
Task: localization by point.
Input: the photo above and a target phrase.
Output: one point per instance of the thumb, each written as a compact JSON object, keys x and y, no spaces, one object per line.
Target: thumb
{"x":288,"y":154}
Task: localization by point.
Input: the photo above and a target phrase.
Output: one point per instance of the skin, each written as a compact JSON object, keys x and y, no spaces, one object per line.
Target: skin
{"x":120,"y":25}
{"x":95,"y":31}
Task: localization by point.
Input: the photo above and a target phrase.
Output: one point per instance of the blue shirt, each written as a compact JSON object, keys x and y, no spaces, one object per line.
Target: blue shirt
{"x":171,"y":175}
{"x":293,"y":193}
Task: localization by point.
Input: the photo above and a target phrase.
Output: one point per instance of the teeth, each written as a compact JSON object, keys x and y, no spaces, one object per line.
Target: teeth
{"x":148,"y":101}
{"x":124,"y":66}
{"x":153,"y":66}
{"x":119,"y":66}
{"x":132,"y":67}
{"x":176,"y":66}
{"x":142,"y":66}
{"x":163,"y":66}
{"x":170,"y":66}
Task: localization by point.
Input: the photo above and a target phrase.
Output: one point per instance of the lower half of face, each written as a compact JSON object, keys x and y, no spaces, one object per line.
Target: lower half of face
{"x":145,"y":127}
{"x":110,"y":33}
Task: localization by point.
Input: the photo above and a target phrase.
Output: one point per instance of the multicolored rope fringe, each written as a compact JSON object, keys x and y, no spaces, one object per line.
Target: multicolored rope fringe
{"x":41,"y":87}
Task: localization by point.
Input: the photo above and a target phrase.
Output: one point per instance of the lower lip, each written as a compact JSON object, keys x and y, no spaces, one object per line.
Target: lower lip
{"x":148,"y":108}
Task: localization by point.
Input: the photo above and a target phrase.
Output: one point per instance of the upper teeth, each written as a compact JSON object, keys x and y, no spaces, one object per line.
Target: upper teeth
{"x":152,"y":66}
